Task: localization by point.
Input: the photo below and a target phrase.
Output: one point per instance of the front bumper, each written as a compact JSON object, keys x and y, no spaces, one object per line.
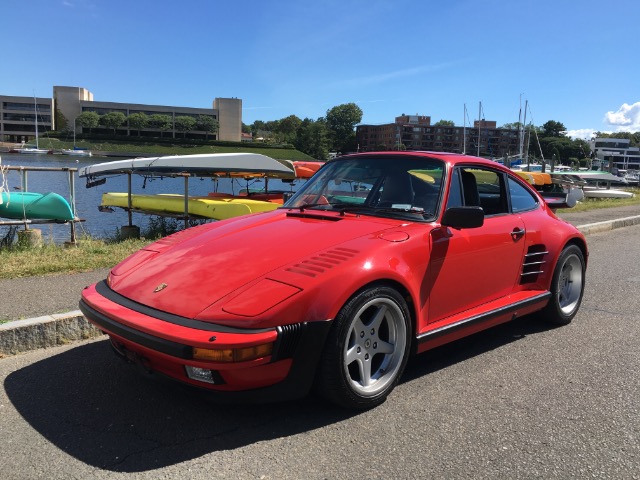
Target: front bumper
{"x":163,"y":344}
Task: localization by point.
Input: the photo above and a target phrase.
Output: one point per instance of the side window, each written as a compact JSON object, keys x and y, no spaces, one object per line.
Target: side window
{"x":521,"y":199}
{"x":485,"y":188}
{"x":455,"y":191}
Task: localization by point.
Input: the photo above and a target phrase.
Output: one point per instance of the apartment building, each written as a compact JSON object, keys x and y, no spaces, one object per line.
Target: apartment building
{"x":415,"y":132}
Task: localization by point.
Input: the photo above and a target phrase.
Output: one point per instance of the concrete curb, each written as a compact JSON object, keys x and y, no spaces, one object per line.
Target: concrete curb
{"x":47,"y":331}
{"x":51,"y":330}
{"x":608,"y":225}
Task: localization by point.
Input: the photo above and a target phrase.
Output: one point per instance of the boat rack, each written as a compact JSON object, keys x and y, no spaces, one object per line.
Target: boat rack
{"x":72,"y":198}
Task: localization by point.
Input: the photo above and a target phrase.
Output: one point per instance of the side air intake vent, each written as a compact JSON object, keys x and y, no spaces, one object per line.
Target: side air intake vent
{"x":318,"y":264}
{"x":534,"y":264}
{"x":288,"y":339}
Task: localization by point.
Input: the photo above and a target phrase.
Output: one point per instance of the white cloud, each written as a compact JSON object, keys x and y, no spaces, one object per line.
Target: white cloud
{"x":625,"y":119}
{"x":583,"y":133}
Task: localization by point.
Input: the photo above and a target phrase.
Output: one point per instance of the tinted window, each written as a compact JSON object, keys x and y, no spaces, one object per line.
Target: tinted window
{"x":521,"y":198}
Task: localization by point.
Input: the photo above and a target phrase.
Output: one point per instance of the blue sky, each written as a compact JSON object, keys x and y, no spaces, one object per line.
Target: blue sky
{"x":574,"y":61}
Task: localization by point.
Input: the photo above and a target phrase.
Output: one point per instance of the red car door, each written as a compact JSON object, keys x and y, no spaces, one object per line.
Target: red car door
{"x":471,"y":267}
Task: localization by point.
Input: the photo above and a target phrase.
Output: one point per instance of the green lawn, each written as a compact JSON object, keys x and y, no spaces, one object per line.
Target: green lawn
{"x":178,"y":148}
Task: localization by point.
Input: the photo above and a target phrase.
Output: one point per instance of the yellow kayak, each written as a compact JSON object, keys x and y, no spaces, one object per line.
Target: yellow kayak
{"x":206,"y":207}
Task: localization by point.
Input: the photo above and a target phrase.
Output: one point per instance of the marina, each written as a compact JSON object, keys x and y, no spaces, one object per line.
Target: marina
{"x":101,"y":224}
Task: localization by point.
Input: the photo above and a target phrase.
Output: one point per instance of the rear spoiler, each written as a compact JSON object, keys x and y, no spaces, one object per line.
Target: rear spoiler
{"x":557,"y":200}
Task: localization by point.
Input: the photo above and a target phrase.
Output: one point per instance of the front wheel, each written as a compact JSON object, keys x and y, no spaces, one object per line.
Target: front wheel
{"x":567,"y":287}
{"x":367,"y":349}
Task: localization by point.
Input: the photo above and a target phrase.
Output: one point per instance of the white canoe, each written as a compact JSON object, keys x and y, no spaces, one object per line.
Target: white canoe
{"x":604,"y":193}
{"x":216,"y":164}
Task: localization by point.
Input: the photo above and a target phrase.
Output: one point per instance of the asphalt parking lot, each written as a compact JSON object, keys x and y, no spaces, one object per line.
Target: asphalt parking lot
{"x":519,"y":401}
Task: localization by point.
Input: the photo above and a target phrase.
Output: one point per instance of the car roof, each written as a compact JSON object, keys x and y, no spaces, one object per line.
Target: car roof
{"x":451,"y":158}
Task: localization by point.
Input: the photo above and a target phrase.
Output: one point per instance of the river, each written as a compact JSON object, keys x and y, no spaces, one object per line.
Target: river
{"x":101,"y":224}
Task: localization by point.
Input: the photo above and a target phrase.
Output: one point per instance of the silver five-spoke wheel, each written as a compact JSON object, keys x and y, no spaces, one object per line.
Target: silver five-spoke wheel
{"x":367,"y":349}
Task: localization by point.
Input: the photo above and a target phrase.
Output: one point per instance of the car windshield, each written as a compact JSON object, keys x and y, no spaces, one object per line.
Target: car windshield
{"x":407,"y":186}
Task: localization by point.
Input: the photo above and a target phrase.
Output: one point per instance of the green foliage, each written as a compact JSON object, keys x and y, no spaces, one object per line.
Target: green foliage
{"x":184,"y":124}
{"x":512,"y":126}
{"x":633,"y":137}
{"x":160,"y":121}
{"x":88,"y":120}
{"x":444,"y":123}
{"x":312,"y":138}
{"x":138,"y":121}
{"x":341,"y":121}
{"x":208,"y":124}
{"x":113,"y":120}
{"x":554,"y":129}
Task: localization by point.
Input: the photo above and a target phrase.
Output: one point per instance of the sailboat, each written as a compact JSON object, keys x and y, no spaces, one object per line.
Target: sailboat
{"x":36,"y":149}
{"x":76,"y":151}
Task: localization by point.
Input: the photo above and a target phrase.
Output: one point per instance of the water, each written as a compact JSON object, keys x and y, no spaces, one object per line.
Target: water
{"x":102,"y":224}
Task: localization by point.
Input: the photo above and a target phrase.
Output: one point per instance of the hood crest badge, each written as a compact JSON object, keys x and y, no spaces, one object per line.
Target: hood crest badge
{"x":160,"y":287}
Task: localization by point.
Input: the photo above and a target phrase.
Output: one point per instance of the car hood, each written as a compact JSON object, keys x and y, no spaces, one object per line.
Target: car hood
{"x":185,"y":273}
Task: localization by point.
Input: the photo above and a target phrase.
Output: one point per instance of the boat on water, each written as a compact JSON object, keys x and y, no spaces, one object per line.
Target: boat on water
{"x":30,"y":149}
{"x":77,"y":152}
{"x":35,"y":206}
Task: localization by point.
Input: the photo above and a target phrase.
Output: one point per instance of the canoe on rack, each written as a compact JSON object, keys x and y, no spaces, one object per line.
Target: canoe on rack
{"x":32,"y":206}
{"x":172,"y":204}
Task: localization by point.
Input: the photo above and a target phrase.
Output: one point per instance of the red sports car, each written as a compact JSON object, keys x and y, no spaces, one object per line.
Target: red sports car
{"x":379,"y":256}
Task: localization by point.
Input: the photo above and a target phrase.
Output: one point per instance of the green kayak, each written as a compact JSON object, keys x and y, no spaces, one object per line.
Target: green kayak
{"x":31,"y":206}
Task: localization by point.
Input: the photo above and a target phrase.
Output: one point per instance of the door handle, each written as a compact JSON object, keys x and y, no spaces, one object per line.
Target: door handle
{"x":517,"y":233}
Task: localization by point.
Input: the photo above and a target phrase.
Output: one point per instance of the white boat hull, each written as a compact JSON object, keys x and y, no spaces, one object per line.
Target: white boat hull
{"x":77,"y":153}
{"x":604,"y":193}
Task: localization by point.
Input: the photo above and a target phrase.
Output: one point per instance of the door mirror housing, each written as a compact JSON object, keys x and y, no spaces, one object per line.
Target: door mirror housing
{"x":463,"y":217}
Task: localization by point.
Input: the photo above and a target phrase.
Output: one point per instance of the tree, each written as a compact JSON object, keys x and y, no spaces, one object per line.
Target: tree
{"x":207,"y":124}
{"x":312,"y":138}
{"x":288,"y":127}
{"x":160,"y":122}
{"x":184,"y":124}
{"x":138,"y":121}
{"x":512,"y":126}
{"x":554,"y":129}
{"x":88,"y":120}
{"x":444,"y":123}
{"x":341,"y":121}
{"x":113,"y":120}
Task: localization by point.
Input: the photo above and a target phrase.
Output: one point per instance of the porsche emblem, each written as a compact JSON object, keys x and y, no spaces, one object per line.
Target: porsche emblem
{"x":160,"y":287}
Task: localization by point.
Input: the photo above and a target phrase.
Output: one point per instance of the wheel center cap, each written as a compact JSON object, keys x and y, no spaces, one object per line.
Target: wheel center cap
{"x":367,"y":344}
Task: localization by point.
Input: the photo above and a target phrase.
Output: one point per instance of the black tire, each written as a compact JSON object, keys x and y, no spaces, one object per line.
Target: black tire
{"x":366,"y":350}
{"x":567,"y":287}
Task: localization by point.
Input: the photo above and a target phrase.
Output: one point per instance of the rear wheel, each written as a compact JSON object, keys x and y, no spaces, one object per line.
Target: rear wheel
{"x":367,"y":349}
{"x":567,"y":287}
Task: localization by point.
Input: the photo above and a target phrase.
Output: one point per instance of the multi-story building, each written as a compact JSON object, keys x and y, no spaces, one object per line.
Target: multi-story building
{"x":415,"y":132}
{"x":20,"y":117}
{"x":17,"y":115}
{"x":618,"y":151}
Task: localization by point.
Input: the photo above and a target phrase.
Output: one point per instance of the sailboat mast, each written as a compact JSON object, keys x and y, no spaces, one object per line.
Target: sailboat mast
{"x":35,"y":111}
{"x":464,"y":130}
{"x":479,"y":122}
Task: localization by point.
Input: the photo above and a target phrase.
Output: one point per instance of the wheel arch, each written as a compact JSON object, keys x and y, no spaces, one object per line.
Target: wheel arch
{"x":403,"y":291}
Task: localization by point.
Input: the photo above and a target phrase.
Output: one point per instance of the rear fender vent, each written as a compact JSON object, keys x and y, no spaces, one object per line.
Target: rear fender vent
{"x":318,"y":264}
{"x":534,"y":264}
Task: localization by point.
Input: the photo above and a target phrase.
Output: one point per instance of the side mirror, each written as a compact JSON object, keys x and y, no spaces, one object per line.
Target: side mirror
{"x":463,"y":217}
